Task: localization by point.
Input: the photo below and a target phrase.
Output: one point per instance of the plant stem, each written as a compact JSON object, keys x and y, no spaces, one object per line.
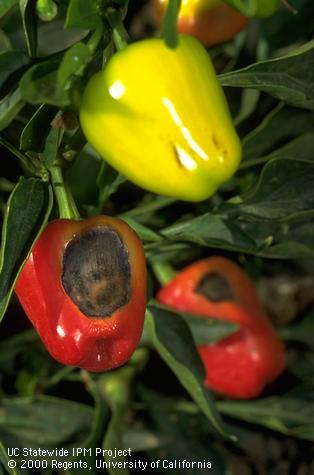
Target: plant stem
{"x":163,"y":271}
{"x":119,"y":33}
{"x":155,"y":205}
{"x":66,"y":204}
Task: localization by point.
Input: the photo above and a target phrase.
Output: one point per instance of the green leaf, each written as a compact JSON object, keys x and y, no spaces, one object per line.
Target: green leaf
{"x":10,"y":106}
{"x":290,"y":240}
{"x":181,"y":423}
{"x":285,"y":190}
{"x":207,"y":330}
{"x":34,"y":134}
{"x":5,"y":43}
{"x":4,"y":459}
{"x":259,"y":8}
{"x":29,"y":18}
{"x":173,"y":341}
{"x":26,"y":214}
{"x":145,"y":233}
{"x":6,"y":5}
{"x":289,"y":78}
{"x":11,"y":62}
{"x":282,"y":123}
{"x":40,"y":84}
{"x":83,"y":14}
{"x":303,"y":367}
{"x":291,"y":414}
{"x":302,"y":331}
{"x":169,"y":25}
{"x":73,"y":62}
{"x":268,"y":239}
{"x":289,"y":28}
{"x":247,"y":7}
{"x":44,"y":421}
{"x":213,"y":231}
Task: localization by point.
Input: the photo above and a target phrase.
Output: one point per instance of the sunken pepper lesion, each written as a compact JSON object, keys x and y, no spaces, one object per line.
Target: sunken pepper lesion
{"x":96,"y":271}
{"x":215,"y":287}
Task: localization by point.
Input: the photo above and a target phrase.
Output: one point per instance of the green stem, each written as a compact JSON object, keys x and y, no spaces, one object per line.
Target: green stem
{"x":119,"y":33}
{"x":155,"y":205}
{"x":163,"y":271}
{"x":66,"y":204}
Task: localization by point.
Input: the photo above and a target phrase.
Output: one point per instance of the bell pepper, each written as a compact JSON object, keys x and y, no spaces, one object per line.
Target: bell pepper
{"x":211,"y":21}
{"x":159,"y":116}
{"x":241,"y":364}
{"x":84,"y":289}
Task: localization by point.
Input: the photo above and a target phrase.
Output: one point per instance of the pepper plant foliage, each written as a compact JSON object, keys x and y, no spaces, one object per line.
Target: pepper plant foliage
{"x":262,"y":217}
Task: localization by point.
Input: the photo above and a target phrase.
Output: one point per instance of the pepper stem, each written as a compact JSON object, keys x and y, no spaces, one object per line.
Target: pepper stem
{"x":163,"y":271}
{"x":66,"y":204}
{"x":119,"y":34}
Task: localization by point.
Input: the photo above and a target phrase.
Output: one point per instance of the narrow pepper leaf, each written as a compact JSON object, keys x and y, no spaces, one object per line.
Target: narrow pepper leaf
{"x":289,"y":78}
{"x":291,"y":414}
{"x":173,"y":341}
{"x":83,"y":14}
{"x":34,"y":134}
{"x":26,"y":214}
{"x":10,"y":62}
{"x":29,"y":18}
{"x":45,"y":421}
{"x":4,"y":459}
{"x":285,"y":190}
{"x":40,"y":84}
{"x":10,"y":106}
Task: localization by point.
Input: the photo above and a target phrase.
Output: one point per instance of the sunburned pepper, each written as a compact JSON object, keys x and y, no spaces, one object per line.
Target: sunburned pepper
{"x":211,"y":21}
{"x":159,"y":116}
{"x":239,"y":365}
{"x":84,"y":289}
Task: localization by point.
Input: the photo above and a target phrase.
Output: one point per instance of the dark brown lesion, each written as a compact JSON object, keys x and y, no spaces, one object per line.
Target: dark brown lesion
{"x":96,"y":272}
{"x":215,"y":287}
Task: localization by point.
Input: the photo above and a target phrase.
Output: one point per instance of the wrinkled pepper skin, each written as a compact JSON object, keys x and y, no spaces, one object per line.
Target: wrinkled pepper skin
{"x":84,"y":289}
{"x":159,"y":116}
{"x":210,"y":21}
{"x":241,"y":364}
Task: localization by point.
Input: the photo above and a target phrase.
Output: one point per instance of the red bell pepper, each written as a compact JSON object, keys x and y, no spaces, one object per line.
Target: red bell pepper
{"x":241,"y":364}
{"x":84,"y":289}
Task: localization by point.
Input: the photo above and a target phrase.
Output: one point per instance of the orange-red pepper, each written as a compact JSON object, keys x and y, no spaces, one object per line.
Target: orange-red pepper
{"x":84,"y":289}
{"x":210,"y":21}
{"x":241,"y":364}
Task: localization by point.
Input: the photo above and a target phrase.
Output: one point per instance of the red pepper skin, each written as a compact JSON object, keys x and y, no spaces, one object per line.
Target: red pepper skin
{"x":241,"y":364}
{"x":93,"y":342}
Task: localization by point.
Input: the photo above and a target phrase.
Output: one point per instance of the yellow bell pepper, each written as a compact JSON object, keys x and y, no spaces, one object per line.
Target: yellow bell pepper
{"x":159,"y":116}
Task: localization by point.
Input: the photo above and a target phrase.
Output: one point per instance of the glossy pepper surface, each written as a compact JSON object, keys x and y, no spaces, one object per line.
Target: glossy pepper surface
{"x":84,"y":289}
{"x":211,"y":21}
{"x":159,"y":116}
{"x":241,"y":364}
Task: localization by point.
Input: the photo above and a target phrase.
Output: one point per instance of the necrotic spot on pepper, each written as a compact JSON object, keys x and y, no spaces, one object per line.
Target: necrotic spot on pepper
{"x":215,"y":287}
{"x":96,"y":272}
